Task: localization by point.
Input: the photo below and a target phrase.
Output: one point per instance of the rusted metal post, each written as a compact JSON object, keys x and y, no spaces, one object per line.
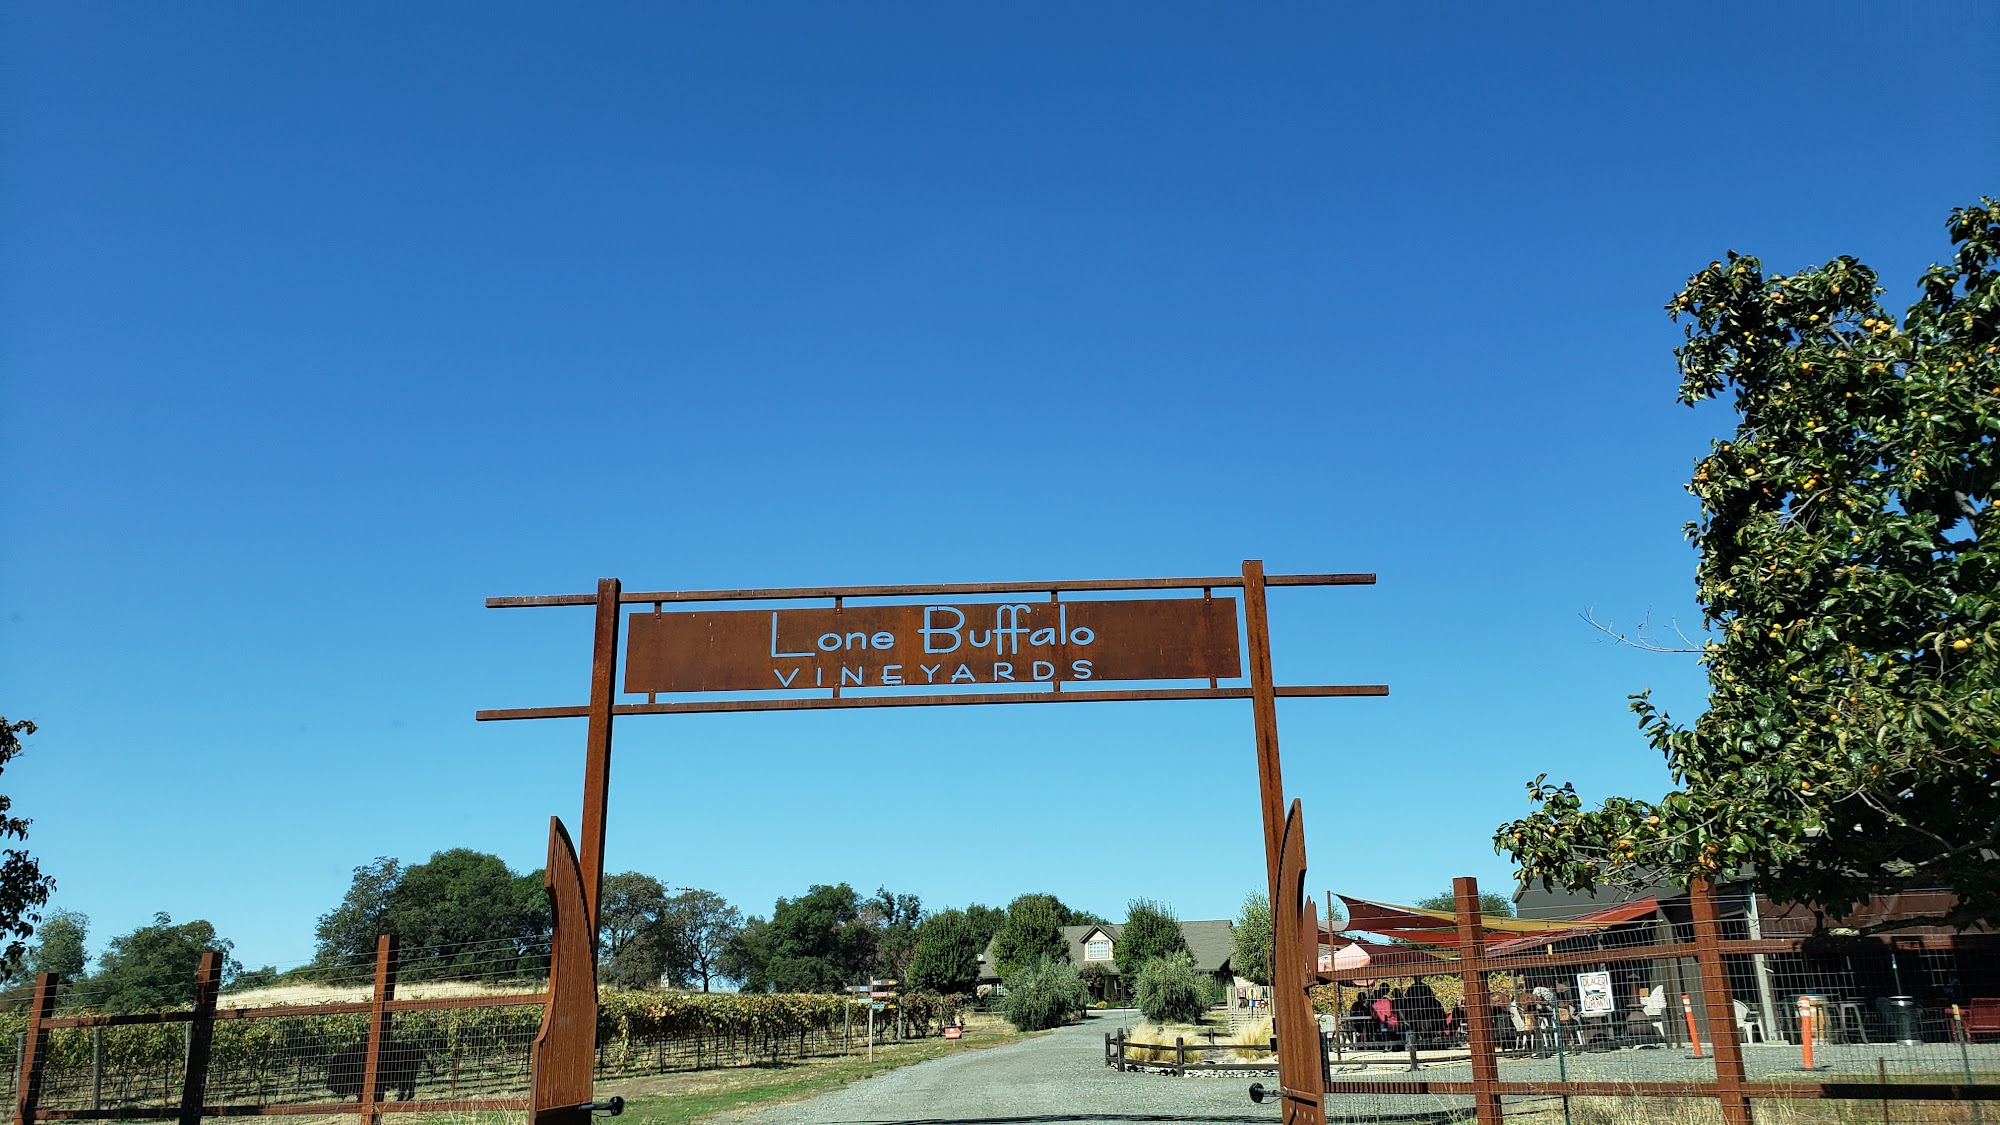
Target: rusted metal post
{"x":566,"y":1045}
{"x":378,"y":1026}
{"x":1264,"y":712}
{"x":201,"y":1033}
{"x":1478,"y":1003}
{"x":597,"y":751}
{"x":1717,"y":1000}
{"x":1295,"y":928}
{"x":34,"y":1050}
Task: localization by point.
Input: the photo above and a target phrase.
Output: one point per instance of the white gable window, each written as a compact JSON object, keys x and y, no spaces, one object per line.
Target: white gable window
{"x":1097,"y":949}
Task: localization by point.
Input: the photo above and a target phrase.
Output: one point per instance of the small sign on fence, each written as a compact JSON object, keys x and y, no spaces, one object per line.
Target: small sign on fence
{"x":1594,"y":991}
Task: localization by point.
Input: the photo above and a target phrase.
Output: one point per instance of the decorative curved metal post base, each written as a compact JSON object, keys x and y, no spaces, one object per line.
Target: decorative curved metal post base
{"x":566,"y":1045}
{"x":1295,"y":951}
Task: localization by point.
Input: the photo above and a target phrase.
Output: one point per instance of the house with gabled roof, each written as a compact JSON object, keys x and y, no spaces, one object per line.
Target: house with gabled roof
{"x":1093,"y":950}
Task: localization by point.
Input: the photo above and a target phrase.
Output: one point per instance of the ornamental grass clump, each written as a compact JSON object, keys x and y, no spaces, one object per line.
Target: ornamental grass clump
{"x":1170,"y":991}
{"x":1045,"y":994}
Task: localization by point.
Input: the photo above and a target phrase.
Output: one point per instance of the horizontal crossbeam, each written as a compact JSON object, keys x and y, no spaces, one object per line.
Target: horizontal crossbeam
{"x":311,"y":1109}
{"x":1860,"y":1091}
{"x":647,"y":597}
{"x":821,"y":703}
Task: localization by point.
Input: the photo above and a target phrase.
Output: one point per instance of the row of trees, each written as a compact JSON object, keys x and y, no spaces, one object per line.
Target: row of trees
{"x":463,"y":914}
{"x":832,"y":935}
{"x":151,"y":967}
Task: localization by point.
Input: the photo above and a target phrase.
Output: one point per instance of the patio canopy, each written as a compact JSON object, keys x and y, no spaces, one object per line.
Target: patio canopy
{"x":1440,"y":927}
{"x":1591,"y":923}
{"x":1358,"y":960}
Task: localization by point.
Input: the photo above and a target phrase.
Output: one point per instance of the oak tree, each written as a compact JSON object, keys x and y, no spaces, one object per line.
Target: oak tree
{"x":1031,"y":933}
{"x":1151,"y":930}
{"x":947,"y":954}
{"x":704,"y":924}
{"x":154,"y":966}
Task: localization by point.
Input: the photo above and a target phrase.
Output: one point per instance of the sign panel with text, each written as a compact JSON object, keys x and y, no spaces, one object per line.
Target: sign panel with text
{"x":932,"y":645}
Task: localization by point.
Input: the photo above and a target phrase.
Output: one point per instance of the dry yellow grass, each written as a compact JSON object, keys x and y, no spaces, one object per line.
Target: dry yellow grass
{"x":1253,"y":1040}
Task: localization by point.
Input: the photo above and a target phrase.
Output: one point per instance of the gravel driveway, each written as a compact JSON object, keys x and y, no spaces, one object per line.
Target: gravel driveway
{"x":1060,"y":1078}
{"x":1056,"y":1078}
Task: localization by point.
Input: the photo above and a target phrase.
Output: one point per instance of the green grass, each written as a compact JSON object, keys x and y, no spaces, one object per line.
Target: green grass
{"x":675,"y":1099}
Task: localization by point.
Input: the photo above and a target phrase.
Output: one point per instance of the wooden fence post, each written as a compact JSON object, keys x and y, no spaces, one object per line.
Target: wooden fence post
{"x":1717,"y":1000}
{"x":378,"y":1026}
{"x":34,"y":1050}
{"x":1478,"y":1004}
{"x":1180,"y":1057}
{"x":201,"y":1033}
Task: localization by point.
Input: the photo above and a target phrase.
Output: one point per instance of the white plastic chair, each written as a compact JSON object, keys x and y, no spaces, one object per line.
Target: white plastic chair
{"x":1748,"y":1021}
{"x":1655,"y":1007}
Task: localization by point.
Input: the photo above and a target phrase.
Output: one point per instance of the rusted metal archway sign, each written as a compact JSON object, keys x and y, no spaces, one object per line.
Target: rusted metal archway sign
{"x":934,"y":651}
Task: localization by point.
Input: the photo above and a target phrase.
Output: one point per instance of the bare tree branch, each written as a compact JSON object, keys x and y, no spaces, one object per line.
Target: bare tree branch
{"x":1638,"y":639}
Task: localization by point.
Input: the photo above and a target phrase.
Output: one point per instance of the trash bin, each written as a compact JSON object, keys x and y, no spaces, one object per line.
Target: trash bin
{"x":1905,"y":1019}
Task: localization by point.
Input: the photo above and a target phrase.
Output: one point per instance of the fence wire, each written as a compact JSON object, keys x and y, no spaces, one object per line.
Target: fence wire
{"x":1623,"y":1020}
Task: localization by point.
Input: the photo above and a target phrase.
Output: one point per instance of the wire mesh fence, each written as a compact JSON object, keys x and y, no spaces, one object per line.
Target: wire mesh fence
{"x":1671,"y":1012}
{"x":446,"y":1029}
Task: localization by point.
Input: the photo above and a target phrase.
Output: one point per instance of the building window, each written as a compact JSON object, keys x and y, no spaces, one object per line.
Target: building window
{"x":1097,"y":950}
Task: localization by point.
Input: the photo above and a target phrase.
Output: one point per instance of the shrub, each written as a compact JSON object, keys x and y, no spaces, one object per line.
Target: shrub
{"x":1045,"y":994}
{"x":1170,"y":991}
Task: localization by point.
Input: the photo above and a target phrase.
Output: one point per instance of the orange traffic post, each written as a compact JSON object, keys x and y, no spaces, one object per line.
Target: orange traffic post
{"x":1806,"y":1031}
{"x":1694,"y":1037}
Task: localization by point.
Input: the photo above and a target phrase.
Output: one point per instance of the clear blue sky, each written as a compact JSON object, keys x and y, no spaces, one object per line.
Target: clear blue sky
{"x":324,"y":322}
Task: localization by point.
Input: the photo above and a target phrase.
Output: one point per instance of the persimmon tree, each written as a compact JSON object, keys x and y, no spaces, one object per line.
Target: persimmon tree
{"x":1847,"y":576}
{"x":23,"y":887}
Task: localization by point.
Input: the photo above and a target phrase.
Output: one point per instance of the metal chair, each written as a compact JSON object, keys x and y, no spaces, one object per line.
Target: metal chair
{"x":1850,"y":1014}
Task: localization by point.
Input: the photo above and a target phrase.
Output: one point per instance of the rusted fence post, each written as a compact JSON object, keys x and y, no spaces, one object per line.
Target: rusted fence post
{"x":1478,"y":1003}
{"x":201,"y":1033}
{"x":34,"y":1050}
{"x":378,"y":1026}
{"x":1717,"y":1000}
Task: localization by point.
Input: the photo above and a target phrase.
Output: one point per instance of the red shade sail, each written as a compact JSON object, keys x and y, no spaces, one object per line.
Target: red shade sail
{"x":1580,"y":927}
{"x":1440,"y":927}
